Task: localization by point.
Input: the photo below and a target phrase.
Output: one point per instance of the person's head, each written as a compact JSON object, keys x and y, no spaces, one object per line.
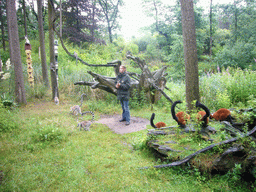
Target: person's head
{"x":122,"y":69}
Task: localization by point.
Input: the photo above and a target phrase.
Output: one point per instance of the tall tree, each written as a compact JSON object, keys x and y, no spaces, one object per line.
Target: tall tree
{"x":190,"y":52}
{"x":110,"y":11}
{"x":42,"y":44}
{"x":235,"y":19}
{"x":210,"y":15}
{"x":51,"y":17}
{"x":2,"y":20}
{"x":15,"y":51}
{"x":79,"y":19}
{"x":158,"y":11}
{"x":25,"y":17}
{"x":93,"y":20}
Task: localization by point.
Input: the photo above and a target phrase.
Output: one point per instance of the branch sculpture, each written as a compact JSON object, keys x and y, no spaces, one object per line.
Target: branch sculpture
{"x":152,"y":83}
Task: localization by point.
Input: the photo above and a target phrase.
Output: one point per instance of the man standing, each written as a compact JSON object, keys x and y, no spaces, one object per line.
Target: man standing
{"x":123,"y":84}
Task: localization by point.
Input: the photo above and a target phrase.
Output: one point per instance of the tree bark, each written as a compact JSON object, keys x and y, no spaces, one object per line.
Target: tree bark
{"x":25,"y":17}
{"x":2,"y":27}
{"x":190,"y":52}
{"x":51,"y":48}
{"x":210,"y":28}
{"x":42,"y":44}
{"x":15,"y":52}
{"x":235,"y":19}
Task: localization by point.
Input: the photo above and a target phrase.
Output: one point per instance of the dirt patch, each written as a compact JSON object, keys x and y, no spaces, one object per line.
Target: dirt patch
{"x":112,"y":121}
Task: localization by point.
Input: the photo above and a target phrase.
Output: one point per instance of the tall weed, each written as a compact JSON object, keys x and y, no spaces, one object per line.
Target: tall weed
{"x":227,"y":88}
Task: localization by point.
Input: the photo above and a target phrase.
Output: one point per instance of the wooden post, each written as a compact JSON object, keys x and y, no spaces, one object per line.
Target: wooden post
{"x":29,"y":62}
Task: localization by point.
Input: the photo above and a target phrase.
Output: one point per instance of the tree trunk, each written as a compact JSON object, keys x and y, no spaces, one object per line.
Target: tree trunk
{"x":2,"y":27}
{"x":235,"y":20}
{"x":15,"y":52}
{"x":210,"y":29}
{"x":110,"y":33}
{"x":25,"y":17}
{"x":42,"y":44}
{"x":190,"y":52}
{"x":51,"y":48}
{"x":60,"y":18}
{"x":93,"y":21}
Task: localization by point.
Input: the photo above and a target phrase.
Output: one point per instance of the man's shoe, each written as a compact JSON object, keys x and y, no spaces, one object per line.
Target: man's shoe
{"x":127,"y":123}
{"x":121,"y":120}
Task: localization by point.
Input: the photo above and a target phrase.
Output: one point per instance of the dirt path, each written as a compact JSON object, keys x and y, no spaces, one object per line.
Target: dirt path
{"x":112,"y":121}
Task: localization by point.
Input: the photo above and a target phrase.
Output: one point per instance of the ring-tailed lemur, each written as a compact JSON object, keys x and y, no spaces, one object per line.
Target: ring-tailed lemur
{"x":76,"y":109}
{"x":56,"y":99}
{"x":86,"y":124}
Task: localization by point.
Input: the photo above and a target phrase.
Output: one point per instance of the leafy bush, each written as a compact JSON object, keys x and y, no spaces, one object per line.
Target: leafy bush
{"x":7,"y":120}
{"x":131,"y":48}
{"x":138,"y":99}
{"x":48,"y":133}
{"x":228,"y":88}
{"x":240,"y":55}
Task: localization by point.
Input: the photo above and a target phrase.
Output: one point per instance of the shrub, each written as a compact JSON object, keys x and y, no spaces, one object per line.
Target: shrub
{"x":228,"y":88}
{"x":48,"y":133}
{"x":7,"y":120}
{"x":240,"y":55}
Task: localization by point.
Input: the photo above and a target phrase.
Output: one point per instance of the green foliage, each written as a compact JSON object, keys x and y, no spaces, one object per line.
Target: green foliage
{"x":223,"y":99}
{"x":199,"y":176}
{"x":240,"y":55}
{"x":119,"y":43}
{"x":221,"y":37}
{"x":48,"y":133}
{"x":202,"y":41}
{"x":4,"y":56}
{"x":139,"y":142}
{"x":142,"y":43}
{"x":230,"y":87}
{"x":152,"y":51}
{"x":130,"y":49}
{"x":7,"y":100}
{"x":177,"y":51}
{"x":235,"y":174}
{"x":38,"y":91}
{"x":138,"y":99}
{"x":8,"y":122}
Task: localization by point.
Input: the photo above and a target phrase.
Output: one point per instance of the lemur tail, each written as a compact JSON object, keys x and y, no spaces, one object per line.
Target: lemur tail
{"x":152,"y":120}
{"x":207,"y":111}
{"x":173,"y":110}
{"x":82,"y":99}
{"x":84,"y":113}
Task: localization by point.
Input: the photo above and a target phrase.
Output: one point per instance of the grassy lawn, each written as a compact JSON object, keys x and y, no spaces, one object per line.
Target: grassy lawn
{"x":48,"y":153}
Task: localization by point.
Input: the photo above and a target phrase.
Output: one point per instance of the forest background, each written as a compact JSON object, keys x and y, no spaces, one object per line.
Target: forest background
{"x":226,"y":53}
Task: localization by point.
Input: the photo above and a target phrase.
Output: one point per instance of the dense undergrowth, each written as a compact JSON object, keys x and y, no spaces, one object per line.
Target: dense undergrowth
{"x":41,"y":148}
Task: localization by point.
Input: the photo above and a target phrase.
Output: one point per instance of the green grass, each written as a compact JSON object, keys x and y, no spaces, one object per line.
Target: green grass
{"x":98,"y":160}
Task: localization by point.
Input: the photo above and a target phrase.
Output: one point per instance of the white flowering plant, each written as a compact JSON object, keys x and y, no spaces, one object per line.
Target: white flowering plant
{"x":6,"y":75}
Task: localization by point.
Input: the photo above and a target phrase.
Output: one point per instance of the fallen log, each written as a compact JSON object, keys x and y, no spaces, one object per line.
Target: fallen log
{"x":186,"y":159}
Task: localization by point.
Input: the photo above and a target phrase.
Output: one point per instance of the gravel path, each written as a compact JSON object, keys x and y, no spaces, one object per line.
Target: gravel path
{"x":112,"y":121}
